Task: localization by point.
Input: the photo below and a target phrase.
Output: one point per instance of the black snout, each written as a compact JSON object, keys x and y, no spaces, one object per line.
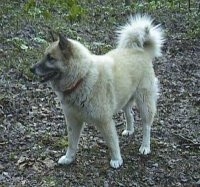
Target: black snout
{"x":32,"y":70}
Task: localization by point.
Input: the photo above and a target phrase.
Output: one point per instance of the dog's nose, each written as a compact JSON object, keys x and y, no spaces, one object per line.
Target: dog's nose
{"x":32,"y":69}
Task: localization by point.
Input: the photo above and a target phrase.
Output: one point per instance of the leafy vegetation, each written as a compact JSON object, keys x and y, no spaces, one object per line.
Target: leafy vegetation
{"x":35,"y":17}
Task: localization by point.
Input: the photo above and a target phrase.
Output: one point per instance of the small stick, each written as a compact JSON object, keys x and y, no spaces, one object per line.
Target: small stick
{"x":184,"y":138}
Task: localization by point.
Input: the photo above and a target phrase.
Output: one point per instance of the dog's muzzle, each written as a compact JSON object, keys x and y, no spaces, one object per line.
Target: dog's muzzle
{"x":47,"y":75}
{"x":32,"y":70}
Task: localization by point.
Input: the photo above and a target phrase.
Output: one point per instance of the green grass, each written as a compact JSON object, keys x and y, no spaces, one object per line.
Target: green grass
{"x":25,"y":25}
{"x":56,"y":143}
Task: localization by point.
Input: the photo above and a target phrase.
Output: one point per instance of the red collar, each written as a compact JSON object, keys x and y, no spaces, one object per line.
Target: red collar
{"x":73,"y":87}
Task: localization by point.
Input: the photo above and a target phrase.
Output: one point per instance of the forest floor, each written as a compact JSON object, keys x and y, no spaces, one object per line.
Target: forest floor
{"x":32,"y":126}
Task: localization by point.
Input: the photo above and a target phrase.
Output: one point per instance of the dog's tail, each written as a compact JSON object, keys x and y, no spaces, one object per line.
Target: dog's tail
{"x":140,"y":33}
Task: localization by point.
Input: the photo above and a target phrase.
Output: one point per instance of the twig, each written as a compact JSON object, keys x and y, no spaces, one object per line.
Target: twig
{"x":184,"y":138}
{"x":3,"y":143}
{"x":189,"y":5}
{"x":191,"y":145}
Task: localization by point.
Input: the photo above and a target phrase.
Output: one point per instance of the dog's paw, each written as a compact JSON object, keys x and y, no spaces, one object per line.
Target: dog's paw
{"x":127,"y":132}
{"x":65,"y":160}
{"x":116,"y":163}
{"x":144,"y":150}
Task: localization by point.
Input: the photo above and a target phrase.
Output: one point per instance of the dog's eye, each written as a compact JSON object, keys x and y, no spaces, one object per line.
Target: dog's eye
{"x":49,"y":57}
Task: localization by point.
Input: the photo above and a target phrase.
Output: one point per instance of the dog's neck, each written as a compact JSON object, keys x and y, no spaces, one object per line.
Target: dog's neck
{"x":73,"y":87}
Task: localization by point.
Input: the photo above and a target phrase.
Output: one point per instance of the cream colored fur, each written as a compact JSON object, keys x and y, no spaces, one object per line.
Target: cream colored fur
{"x":111,"y":82}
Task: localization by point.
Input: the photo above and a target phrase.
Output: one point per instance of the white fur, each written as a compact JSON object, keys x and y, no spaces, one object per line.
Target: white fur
{"x":116,"y":163}
{"x":145,"y":147}
{"x":127,"y":132}
{"x":111,"y":82}
{"x":140,"y":31}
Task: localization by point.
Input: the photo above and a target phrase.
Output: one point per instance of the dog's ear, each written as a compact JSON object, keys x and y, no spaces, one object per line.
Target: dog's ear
{"x":63,"y":42}
{"x":53,"y":35}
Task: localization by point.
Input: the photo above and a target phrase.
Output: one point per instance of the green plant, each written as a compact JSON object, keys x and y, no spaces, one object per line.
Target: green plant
{"x":19,"y":43}
{"x":45,"y":9}
{"x":33,"y":9}
{"x":193,"y":21}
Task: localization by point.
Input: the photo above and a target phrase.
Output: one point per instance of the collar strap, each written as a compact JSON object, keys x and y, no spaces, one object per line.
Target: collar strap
{"x":73,"y":87}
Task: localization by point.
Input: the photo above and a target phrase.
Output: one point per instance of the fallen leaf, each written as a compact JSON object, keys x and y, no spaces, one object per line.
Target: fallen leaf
{"x":49,"y":163}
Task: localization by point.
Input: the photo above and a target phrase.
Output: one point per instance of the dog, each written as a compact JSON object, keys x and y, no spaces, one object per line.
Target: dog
{"x":92,"y":88}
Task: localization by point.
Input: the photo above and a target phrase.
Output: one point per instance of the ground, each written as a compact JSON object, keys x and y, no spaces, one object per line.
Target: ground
{"x":32,"y":126}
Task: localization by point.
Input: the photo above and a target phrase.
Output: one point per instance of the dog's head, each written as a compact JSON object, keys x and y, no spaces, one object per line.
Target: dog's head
{"x":55,"y":58}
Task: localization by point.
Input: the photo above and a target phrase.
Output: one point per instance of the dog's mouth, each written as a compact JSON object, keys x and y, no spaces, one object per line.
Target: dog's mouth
{"x":50,"y":76}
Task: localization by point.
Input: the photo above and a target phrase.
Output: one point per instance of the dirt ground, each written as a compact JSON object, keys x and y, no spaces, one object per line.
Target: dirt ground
{"x":32,"y":126}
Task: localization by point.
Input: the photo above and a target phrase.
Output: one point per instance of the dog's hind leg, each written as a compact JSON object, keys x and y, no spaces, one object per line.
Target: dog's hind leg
{"x":146,"y":102}
{"x":109,"y":133}
{"x":129,"y":119}
{"x":74,"y":130}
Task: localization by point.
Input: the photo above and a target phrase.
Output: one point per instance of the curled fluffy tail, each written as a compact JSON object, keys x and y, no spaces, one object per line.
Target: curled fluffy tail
{"x":140,"y":33}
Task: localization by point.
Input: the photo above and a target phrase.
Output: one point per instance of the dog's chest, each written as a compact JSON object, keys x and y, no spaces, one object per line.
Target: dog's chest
{"x":76,"y":105}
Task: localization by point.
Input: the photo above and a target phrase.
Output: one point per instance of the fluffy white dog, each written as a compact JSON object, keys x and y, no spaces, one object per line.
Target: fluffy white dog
{"x":92,"y":88}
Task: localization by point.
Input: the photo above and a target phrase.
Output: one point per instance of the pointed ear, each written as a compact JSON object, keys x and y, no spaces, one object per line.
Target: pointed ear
{"x":63,"y":42}
{"x":53,"y":36}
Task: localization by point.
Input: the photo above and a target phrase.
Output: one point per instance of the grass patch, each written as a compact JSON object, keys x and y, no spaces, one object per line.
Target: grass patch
{"x":57,"y":143}
{"x":25,"y":23}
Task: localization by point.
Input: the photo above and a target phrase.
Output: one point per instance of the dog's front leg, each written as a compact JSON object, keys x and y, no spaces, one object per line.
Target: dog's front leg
{"x":74,"y":130}
{"x":109,"y":133}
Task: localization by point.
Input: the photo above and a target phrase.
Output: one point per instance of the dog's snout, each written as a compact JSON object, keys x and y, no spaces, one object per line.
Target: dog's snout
{"x":32,"y":69}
